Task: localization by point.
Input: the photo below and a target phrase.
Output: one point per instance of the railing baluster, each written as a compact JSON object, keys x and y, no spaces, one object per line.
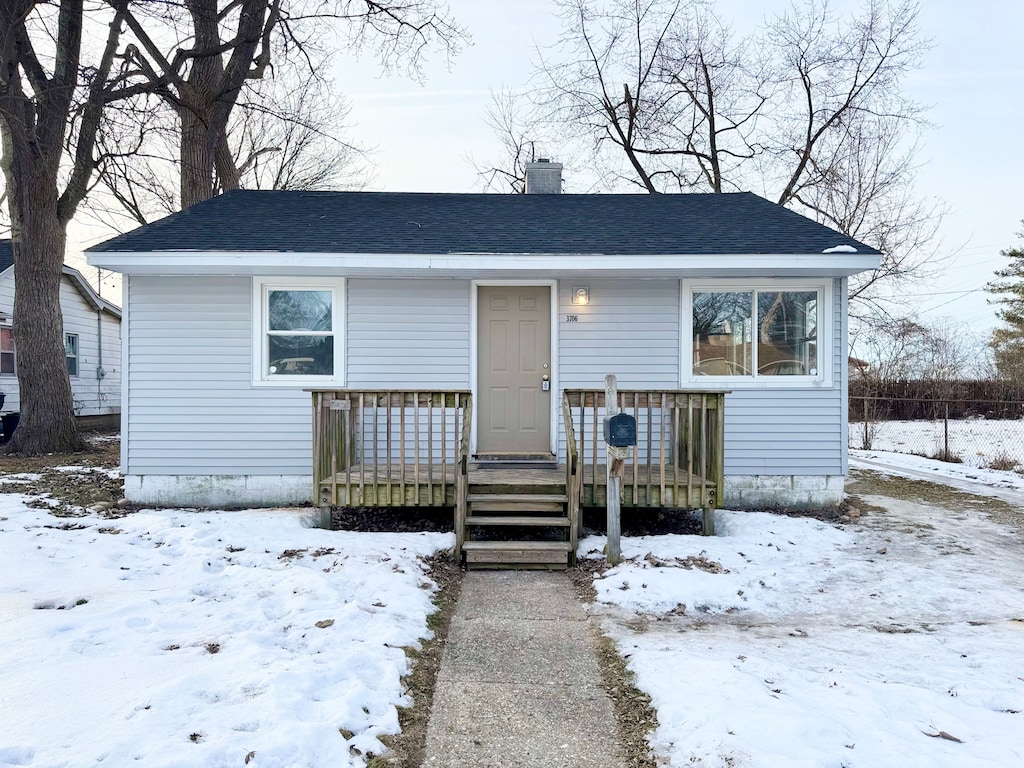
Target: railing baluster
{"x":675,"y":450}
{"x":401,"y":471}
{"x":650,"y":461}
{"x":416,"y":444}
{"x":444,"y":452}
{"x":636,"y":454}
{"x":593,"y":488}
{"x":430,"y":448}
{"x":390,"y":447}
{"x":373,"y":473}
{"x":661,"y":444}
{"x":689,"y":449}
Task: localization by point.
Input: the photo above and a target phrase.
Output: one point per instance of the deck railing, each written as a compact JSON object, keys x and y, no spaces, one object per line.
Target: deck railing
{"x":391,"y":447}
{"x":678,"y":460}
{"x":573,"y":471}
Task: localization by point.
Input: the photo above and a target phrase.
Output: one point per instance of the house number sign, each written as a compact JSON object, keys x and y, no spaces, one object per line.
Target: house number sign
{"x":572,"y":318}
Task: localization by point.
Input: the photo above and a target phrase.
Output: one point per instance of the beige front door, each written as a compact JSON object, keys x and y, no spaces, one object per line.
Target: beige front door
{"x":513,"y":364}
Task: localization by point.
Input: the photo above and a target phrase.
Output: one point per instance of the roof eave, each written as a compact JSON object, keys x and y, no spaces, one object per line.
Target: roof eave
{"x":481,"y":265}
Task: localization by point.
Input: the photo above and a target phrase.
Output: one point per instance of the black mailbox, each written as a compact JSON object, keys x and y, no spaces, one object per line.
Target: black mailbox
{"x":620,"y":430}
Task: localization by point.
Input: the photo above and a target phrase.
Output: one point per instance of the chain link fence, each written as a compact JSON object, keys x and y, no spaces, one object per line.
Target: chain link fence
{"x":978,"y":433}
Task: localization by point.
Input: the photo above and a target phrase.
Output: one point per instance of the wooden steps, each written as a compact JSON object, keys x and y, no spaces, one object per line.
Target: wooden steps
{"x":517,"y":554}
{"x":524,"y":526}
{"x":526,"y":520}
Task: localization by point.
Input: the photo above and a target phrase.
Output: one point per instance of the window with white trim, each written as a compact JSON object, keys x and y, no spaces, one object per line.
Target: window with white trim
{"x":7,"y":351}
{"x":71,"y":353}
{"x":298,"y":326}
{"x":756,"y":332}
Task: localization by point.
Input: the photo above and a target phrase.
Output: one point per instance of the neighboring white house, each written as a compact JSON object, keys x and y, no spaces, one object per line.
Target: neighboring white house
{"x":92,"y":342}
{"x":237,"y":305}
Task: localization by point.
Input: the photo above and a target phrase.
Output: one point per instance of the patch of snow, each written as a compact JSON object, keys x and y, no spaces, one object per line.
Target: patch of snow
{"x":20,"y":477}
{"x":840,"y":249}
{"x":977,"y":442}
{"x":792,"y":641}
{"x":194,"y":638}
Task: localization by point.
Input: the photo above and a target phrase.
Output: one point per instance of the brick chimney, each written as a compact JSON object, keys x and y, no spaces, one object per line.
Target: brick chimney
{"x":543,"y":178}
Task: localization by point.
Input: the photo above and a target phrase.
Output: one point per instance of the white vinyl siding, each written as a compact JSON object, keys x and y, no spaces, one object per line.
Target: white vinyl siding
{"x":408,"y":333}
{"x":192,"y":408}
{"x":92,"y":393}
{"x":791,"y":431}
{"x":631,"y":328}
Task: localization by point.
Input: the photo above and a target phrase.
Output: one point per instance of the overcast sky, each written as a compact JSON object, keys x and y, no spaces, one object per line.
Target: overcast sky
{"x":425,"y":134}
{"x":973,"y":80}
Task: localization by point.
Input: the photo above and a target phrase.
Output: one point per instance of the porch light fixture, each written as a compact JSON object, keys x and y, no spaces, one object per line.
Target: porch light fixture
{"x":581,"y":295}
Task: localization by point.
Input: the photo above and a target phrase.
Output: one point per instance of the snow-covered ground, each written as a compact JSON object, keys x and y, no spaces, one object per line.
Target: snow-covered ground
{"x":976,"y":442}
{"x":895,"y":640}
{"x":182,"y":638}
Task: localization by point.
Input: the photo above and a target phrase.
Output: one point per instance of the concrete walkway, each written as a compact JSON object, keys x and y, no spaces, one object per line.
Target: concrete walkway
{"x":519,"y":684}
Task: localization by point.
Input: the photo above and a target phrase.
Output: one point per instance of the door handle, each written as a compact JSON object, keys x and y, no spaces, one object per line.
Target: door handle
{"x":545,"y":383}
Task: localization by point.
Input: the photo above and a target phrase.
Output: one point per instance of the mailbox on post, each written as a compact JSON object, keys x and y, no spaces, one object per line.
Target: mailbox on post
{"x":620,"y":430}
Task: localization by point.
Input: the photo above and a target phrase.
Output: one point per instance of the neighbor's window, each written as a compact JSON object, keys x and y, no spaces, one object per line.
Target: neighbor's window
{"x":300,"y":331}
{"x":7,"y":351}
{"x":755,"y":333}
{"x":71,"y":352}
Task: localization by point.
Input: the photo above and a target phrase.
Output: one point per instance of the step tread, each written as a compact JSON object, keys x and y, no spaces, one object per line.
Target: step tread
{"x":519,"y":497}
{"x":497,"y":546}
{"x":516,"y":520}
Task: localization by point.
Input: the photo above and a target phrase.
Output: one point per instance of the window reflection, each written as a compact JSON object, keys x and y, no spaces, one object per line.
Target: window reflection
{"x":787,"y":333}
{"x":755,"y":333}
{"x":721,"y":333}
{"x":299,"y":334}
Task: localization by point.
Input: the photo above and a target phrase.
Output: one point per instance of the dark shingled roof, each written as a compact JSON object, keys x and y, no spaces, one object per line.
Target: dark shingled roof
{"x":6,"y":254}
{"x":415,"y":223}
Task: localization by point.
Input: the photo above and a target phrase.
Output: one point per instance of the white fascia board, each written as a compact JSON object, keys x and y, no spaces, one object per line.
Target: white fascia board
{"x":480,"y":264}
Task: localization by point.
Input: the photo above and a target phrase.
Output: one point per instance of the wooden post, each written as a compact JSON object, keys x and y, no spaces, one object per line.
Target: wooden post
{"x":616,"y":464}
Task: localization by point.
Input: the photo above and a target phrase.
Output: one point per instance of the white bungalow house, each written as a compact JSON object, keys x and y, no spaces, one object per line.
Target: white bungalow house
{"x":236,"y":307}
{"x":92,"y":342}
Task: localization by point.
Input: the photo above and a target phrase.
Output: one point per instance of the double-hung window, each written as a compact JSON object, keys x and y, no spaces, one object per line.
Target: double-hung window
{"x":298,"y":331}
{"x":7,"y":351}
{"x":765,"y":332}
{"x":71,"y":352}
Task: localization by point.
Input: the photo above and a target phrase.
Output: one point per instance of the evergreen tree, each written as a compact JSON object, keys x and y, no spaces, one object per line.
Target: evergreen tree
{"x":1008,"y":341}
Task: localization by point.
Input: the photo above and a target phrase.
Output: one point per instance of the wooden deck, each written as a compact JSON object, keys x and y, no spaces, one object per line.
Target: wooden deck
{"x":420,"y":485}
{"x":398,"y":448}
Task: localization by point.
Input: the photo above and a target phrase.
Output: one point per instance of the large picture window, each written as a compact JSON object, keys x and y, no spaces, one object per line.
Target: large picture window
{"x":756,"y":332}
{"x":300,"y":331}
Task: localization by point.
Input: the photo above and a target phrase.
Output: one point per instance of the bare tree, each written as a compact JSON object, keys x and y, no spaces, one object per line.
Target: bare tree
{"x":520,"y":141}
{"x":39,"y":91}
{"x":284,"y":133}
{"x":52,"y":106}
{"x":901,"y":348}
{"x":218,"y":47}
{"x":809,"y":110}
{"x":290,"y":138}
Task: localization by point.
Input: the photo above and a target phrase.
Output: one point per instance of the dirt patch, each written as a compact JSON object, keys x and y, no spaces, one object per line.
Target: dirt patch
{"x":68,"y":493}
{"x":634,"y":715}
{"x":644,"y":522}
{"x":392,"y":519}
{"x":870,"y":483}
{"x":408,"y":748}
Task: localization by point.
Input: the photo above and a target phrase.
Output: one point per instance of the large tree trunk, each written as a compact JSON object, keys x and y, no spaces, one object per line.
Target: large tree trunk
{"x":47,"y":414}
{"x":197,"y":158}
